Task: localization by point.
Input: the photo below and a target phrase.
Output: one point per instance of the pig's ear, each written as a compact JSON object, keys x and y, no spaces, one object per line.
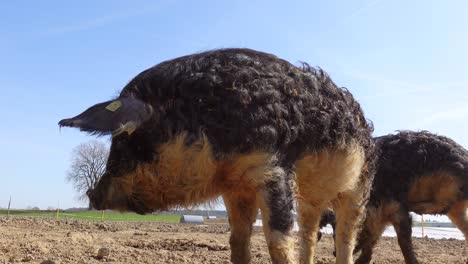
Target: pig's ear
{"x":111,"y":117}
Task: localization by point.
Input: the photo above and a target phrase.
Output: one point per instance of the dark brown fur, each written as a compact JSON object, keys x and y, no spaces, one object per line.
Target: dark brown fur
{"x":416,"y":172}
{"x":231,"y":122}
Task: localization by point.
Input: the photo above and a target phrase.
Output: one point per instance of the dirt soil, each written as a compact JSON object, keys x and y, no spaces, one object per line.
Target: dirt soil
{"x":34,"y":240}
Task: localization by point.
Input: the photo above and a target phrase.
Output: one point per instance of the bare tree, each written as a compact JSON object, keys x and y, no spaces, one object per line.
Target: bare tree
{"x":88,"y":164}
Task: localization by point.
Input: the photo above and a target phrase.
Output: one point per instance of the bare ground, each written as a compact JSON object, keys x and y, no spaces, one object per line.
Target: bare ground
{"x":33,"y":240}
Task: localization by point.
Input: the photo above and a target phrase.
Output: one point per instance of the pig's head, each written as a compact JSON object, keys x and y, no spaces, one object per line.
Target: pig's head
{"x":124,"y":119}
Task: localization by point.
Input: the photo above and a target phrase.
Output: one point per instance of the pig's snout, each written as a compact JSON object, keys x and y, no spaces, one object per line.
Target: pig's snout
{"x":92,"y":198}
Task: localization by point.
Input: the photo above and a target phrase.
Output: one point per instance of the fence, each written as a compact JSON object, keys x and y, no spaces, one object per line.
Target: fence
{"x":430,"y":232}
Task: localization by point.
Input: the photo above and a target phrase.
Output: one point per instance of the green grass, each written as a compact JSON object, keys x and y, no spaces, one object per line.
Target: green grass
{"x":95,"y":215}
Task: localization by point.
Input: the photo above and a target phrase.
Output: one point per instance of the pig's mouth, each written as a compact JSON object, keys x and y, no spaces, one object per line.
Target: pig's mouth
{"x":130,"y":204}
{"x":138,"y":207}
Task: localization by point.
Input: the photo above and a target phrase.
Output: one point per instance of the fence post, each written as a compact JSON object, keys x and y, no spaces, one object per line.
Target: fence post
{"x":102,"y":216}
{"x":422,"y":226}
{"x":9,"y":203}
{"x":58,"y":210}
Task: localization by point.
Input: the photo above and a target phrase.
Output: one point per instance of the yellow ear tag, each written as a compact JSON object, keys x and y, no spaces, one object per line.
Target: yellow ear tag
{"x":114,"y":106}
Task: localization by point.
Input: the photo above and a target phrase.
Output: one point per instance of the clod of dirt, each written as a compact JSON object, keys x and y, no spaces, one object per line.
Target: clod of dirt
{"x":28,"y":258}
{"x":103,"y":227}
{"x":48,"y":262}
{"x":140,"y":234}
{"x":102,"y":253}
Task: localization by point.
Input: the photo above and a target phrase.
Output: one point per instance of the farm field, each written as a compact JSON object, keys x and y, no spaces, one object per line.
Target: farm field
{"x":93,"y":215}
{"x":69,"y":240}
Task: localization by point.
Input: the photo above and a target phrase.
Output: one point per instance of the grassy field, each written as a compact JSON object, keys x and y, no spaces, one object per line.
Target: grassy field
{"x":94,"y":215}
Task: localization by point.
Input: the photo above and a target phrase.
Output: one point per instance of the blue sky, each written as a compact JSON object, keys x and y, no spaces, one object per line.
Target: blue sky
{"x":404,"y":61}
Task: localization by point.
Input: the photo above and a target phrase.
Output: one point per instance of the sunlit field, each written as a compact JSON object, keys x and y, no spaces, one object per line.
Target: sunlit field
{"x":94,"y":215}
